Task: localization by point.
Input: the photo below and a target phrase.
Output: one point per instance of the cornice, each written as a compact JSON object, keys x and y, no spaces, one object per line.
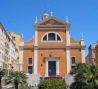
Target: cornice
{"x":50,"y":29}
{"x":51,"y":26}
{"x":48,"y":47}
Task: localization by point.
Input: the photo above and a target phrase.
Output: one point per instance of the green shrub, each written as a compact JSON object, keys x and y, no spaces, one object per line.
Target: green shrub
{"x":52,"y":84}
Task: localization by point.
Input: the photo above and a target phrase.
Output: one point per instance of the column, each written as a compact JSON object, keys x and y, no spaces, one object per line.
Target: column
{"x":67,"y":36}
{"x":68,"y":50}
{"x":46,"y":67}
{"x":35,"y":60}
{"x":68,"y":59}
{"x":57,"y":67}
{"x":35,"y":51}
{"x":21,"y":59}
{"x":83,"y":55}
{"x":82,"y":49}
{"x":35,"y":37}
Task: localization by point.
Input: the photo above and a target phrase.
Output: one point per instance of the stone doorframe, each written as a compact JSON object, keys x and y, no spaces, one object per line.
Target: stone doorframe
{"x":51,"y":59}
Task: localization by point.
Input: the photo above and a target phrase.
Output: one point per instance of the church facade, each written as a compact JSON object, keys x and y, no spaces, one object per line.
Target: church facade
{"x":51,"y":51}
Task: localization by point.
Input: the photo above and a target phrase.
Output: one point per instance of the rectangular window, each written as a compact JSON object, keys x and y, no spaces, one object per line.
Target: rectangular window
{"x":30,"y":61}
{"x":13,"y":38}
{"x":73,"y":60}
{"x":30,"y":69}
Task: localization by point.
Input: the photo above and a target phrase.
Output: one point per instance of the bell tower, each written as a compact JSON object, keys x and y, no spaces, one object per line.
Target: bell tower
{"x":45,"y":15}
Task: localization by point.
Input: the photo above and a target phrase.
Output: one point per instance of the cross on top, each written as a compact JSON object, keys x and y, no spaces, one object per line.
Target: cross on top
{"x":51,"y":13}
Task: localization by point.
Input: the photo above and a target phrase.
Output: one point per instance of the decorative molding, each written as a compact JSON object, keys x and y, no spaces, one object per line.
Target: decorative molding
{"x":52,"y":26}
{"x":68,"y":60}
{"x":55,"y":37}
{"x":35,"y":37}
{"x":21,"y":59}
{"x":52,"y":46}
{"x":51,"y":17}
{"x":51,"y":59}
{"x":83,"y":55}
{"x":35,"y":60}
{"x":51,"y":29}
{"x":67,"y":37}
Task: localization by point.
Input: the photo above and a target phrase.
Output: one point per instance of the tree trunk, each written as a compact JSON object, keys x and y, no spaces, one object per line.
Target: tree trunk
{"x":0,"y":83}
{"x":16,"y":85}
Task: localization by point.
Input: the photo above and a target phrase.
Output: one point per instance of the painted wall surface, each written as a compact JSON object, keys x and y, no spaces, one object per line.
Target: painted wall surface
{"x":15,"y":65}
{"x":61,"y":53}
{"x":26,"y":54}
{"x":17,"y":40}
{"x":77,"y":54}
{"x":43,"y":32}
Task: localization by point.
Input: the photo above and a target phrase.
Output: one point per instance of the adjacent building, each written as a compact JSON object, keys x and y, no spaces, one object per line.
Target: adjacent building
{"x":51,"y":51}
{"x":91,"y":54}
{"x":96,"y":54}
{"x":8,"y":50}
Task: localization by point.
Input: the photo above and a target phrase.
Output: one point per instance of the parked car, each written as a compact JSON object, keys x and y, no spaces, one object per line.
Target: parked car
{"x":53,"y":77}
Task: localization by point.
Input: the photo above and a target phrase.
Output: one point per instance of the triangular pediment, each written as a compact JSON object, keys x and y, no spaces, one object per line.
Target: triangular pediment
{"x":51,"y":20}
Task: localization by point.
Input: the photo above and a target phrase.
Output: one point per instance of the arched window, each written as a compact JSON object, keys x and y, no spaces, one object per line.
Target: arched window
{"x":51,"y":36}
{"x":45,"y":38}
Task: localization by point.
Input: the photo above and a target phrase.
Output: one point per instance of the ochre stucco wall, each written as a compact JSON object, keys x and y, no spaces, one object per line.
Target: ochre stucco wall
{"x":26,"y":54}
{"x":61,"y":53}
{"x":41,"y":33}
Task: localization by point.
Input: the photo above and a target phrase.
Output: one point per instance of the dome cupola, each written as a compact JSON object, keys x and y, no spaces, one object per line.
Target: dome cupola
{"x":45,"y":15}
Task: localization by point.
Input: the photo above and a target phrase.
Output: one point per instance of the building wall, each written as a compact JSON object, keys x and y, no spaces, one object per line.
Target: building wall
{"x":7,"y":48}
{"x":61,"y":53}
{"x":91,"y":53}
{"x":17,"y":40}
{"x":96,"y":54}
{"x":26,"y":54}
{"x":2,"y":45}
{"x":15,"y":64}
{"x":42,"y":33}
{"x":77,"y":54}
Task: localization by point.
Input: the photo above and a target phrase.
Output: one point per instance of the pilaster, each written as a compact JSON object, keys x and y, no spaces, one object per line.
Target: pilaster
{"x":68,"y":59}
{"x":67,"y":36}
{"x":21,"y":59}
{"x":35,"y":37}
{"x":35,"y":60}
{"x":68,"y":50}
{"x":82,"y":49}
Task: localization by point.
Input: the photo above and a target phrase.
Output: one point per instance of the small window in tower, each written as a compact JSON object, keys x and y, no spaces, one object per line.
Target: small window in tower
{"x":30,"y":61}
{"x":73,"y":60}
{"x":45,"y":38}
{"x":58,"y":38}
{"x":51,"y":36}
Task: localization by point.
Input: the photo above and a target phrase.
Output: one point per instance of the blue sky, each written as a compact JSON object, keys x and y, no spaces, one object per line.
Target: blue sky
{"x":19,"y":15}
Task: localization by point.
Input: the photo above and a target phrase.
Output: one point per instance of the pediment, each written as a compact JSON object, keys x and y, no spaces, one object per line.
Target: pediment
{"x":51,"y":20}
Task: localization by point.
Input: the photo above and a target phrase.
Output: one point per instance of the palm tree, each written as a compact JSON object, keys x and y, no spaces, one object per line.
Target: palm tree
{"x":86,"y":76}
{"x":2,"y":73}
{"x":17,"y":78}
